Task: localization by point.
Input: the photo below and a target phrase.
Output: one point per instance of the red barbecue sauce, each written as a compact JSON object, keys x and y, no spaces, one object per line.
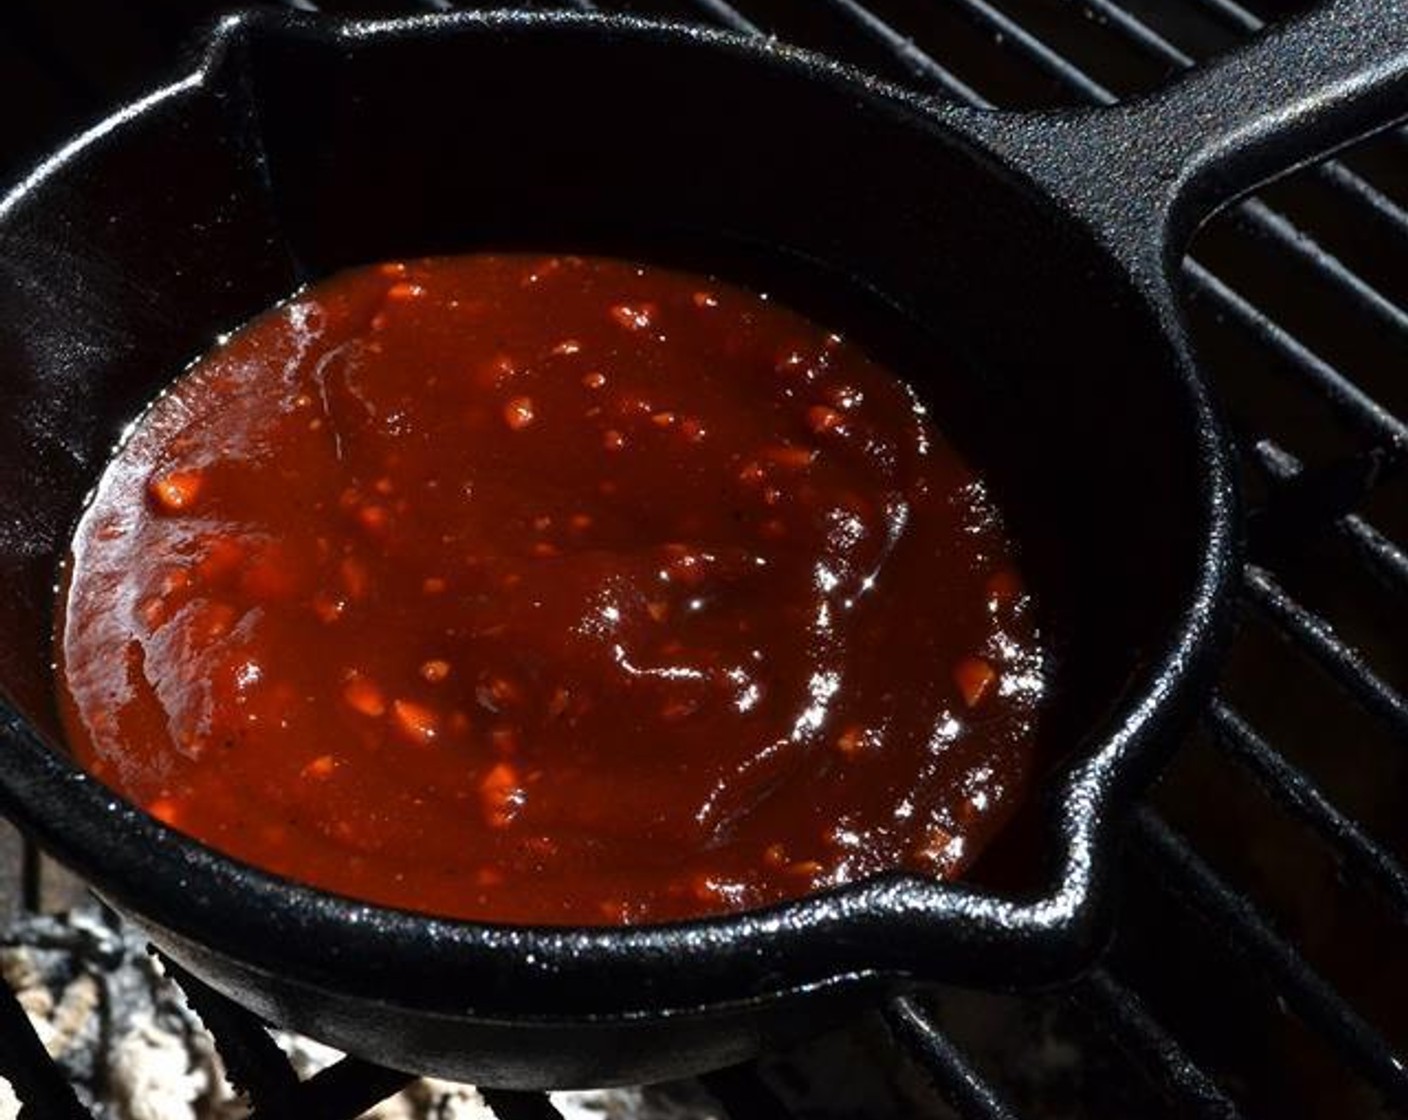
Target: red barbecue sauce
{"x":551,"y":590}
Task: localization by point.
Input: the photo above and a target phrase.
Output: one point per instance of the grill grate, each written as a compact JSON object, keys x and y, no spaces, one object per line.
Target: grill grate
{"x":1217,"y":901}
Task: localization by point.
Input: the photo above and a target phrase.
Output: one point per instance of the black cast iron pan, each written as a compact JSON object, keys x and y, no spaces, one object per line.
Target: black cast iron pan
{"x":1040,"y":246}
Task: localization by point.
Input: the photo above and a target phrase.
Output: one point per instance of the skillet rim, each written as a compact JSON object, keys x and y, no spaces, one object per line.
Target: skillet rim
{"x":894,"y":925}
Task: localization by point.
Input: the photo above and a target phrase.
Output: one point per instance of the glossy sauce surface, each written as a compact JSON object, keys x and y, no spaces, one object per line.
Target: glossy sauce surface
{"x":552,"y":590}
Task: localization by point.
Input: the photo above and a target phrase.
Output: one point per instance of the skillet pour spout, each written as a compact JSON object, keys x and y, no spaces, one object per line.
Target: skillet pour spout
{"x":299,"y":145}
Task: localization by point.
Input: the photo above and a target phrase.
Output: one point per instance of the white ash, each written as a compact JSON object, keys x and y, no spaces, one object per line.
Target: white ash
{"x":155,"y":1077}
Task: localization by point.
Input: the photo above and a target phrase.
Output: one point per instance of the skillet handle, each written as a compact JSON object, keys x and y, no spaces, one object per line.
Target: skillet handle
{"x":1295,"y":94}
{"x":1163,"y":164}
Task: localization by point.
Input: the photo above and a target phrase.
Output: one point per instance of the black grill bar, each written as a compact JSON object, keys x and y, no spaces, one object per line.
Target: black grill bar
{"x":1232,"y":13}
{"x":1126,"y":1021}
{"x":508,"y":1104}
{"x":1035,"y":50}
{"x":1358,"y":191}
{"x":1313,"y":634}
{"x":1293,"y":788}
{"x":726,"y":14}
{"x":948,"y":1070}
{"x":1381,"y":556}
{"x":24,"y":1063}
{"x":1136,"y":31}
{"x":1181,"y":871}
{"x":1312,"y":500}
{"x":1259,"y":219}
{"x":256,"y":1065}
{"x":1352,"y":403}
{"x":918,"y":62}
{"x":346,"y":1088}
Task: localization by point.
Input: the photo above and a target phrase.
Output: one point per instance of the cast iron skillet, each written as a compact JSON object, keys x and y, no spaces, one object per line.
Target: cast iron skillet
{"x":1039,"y":245}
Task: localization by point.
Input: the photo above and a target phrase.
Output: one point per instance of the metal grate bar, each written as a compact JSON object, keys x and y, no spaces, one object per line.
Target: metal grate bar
{"x":727,"y":15}
{"x":1348,"y":399}
{"x":1358,"y":191}
{"x":1123,"y":1017}
{"x":949,"y":1071}
{"x":1317,"y":637}
{"x":510,"y":1104}
{"x":1138,"y":32}
{"x":254,"y":1062}
{"x":1258,"y":218}
{"x":1310,"y":501}
{"x":1292,"y":788}
{"x":36,"y":1079}
{"x":345,"y":1089}
{"x":919,"y":62}
{"x":1232,"y":13}
{"x":1384,"y":558}
{"x":1036,"y":51}
{"x":1183,"y":872}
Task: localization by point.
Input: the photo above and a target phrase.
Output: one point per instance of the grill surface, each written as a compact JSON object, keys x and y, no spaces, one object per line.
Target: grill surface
{"x":1259,"y":962}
